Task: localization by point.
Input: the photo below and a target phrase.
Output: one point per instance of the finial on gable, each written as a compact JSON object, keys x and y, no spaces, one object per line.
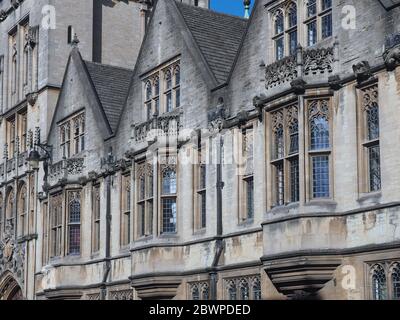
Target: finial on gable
{"x":246,"y":4}
{"x":75,"y":41}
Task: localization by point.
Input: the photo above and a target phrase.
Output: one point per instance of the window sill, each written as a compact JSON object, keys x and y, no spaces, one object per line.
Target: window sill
{"x":246,"y":222}
{"x":200,"y":232}
{"x":285,"y":208}
{"x":321,"y":202}
{"x":144,"y":238}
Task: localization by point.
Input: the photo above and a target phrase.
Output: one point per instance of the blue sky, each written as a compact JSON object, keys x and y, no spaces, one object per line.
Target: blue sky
{"x":234,"y":7}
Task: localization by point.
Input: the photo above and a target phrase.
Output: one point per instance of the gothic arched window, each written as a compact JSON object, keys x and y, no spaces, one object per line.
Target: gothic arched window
{"x":168,"y":194}
{"x":371,"y":143}
{"x":168,"y":91}
{"x":244,"y":290}
{"x":395,"y":279}
{"x":279,"y":39}
{"x":379,"y":286}
{"x":195,"y":292}
{"x":156,"y":96}
{"x":126,"y":209}
{"x":319,"y":126}
{"x":22,"y":210}
{"x":256,"y":287}
{"x":10,"y":206}
{"x":177,"y":90}
{"x":74,"y":222}
{"x":205,"y":291}
{"x":292,"y":25}
{"x":232,"y":290}
{"x":148,"y":105}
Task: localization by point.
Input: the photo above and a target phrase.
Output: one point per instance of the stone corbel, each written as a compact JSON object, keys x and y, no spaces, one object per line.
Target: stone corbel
{"x":299,"y":86}
{"x":391,"y":56}
{"x":335,"y":82}
{"x":31,"y":98}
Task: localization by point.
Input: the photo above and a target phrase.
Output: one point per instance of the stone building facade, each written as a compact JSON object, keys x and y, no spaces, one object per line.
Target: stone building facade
{"x":213,"y":157}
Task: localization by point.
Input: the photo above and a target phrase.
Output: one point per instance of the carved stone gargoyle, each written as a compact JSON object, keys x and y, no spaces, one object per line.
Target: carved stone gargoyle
{"x":391,"y":56}
{"x":362,"y":71}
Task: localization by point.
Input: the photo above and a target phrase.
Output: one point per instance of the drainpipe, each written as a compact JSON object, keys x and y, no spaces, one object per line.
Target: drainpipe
{"x":220,"y":241}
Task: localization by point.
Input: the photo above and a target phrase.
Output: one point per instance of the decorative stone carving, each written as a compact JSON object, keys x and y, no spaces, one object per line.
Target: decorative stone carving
{"x":391,"y":56}
{"x":158,"y":126}
{"x":217,"y":116}
{"x":12,"y":254}
{"x":298,"y":85}
{"x":3,"y":15}
{"x":335,"y":82}
{"x":362,"y":71}
{"x":318,"y":60}
{"x":280,"y":72}
{"x":121,"y":295}
{"x":32,"y":98}
{"x":74,"y":166}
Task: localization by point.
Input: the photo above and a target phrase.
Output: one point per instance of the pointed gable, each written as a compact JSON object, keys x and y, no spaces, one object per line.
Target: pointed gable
{"x":112,"y":86}
{"x":218,"y":36}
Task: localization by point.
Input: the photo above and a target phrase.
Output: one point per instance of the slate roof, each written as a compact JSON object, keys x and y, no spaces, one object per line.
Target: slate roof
{"x":218,"y":36}
{"x":112,"y":86}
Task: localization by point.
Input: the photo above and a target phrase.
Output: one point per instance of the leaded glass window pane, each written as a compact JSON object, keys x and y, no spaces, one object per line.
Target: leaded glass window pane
{"x":256,"y":289}
{"x":372,"y":114}
{"x":374,"y":168}
{"x":311,"y":8}
{"x":326,"y":4}
{"x":205,"y":291}
{"x":292,"y":42}
{"x":74,"y":226}
{"x":250,"y":198}
{"x":319,"y":133}
{"x":195,"y":292}
{"x":169,"y":182}
{"x":396,"y":281}
{"x":279,"y":143}
{"x":279,"y":23}
{"x":168,"y":102}
{"x":379,"y":287}
{"x":292,"y":16}
{"x":280,"y":185}
{"x":244,"y":290}
{"x":326,"y":26}
{"x":169,"y":215}
{"x":312,"y":33}
{"x":203,"y":209}
{"x":232,"y":291}
{"x":294,"y":180}
{"x":280,"y":48}
{"x":294,"y":137}
{"x":320,"y":170}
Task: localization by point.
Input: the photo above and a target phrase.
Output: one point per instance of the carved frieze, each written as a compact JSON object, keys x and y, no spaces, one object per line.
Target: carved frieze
{"x":318,"y":60}
{"x":280,"y":72}
{"x":12,"y":254}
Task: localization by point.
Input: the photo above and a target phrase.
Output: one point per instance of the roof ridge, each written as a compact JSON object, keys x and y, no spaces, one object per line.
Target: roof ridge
{"x":107,"y":65}
{"x":210,"y":10}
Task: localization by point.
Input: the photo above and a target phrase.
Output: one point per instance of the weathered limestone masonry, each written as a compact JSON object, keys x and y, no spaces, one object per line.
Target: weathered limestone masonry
{"x":204,"y":157}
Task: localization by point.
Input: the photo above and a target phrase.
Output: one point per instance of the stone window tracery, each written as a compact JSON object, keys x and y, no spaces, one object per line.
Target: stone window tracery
{"x":285,"y":155}
{"x":72,"y":135}
{"x":199,"y":291}
{"x":10,"y":206}
{"x":168,"y":173}
{"x":200,"y":180}
{"x":22,"y":210}
{"x":243,"y":288}
{"x":384,"y":280}
{"x":169,"y":85}
{"x":74,"y":222}
{"x":56,"y":225}
{"x":370,"y":139}
{"x":126,"y":209}
{"x":96,"y":218}
{"x":319,"y":147}
{"x":145,"y":203}
{"x":247,"y":178}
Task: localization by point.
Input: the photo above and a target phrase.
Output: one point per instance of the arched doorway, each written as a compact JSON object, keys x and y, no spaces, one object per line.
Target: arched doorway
{"x":9,"y":288}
